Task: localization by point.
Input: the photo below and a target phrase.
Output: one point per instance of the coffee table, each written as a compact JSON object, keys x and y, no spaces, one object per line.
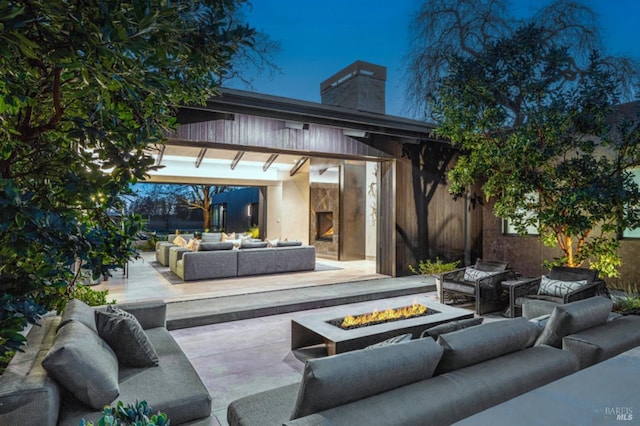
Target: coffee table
{"x":315,"y":330}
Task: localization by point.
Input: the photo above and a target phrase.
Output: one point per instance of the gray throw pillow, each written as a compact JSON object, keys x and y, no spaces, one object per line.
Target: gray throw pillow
{"x":227,"y":245}
{"x":559,"y":288}
{"x":573,"y":317}
{"x":76,"y":310}
{"x":473,"y":345}
{"x":125,"y":335}
{"x":83,"y":364}
{"x":289,"y":243}
{"x":450,"y":327}
{"x":340,"y":379}
{"x":253,"y":244}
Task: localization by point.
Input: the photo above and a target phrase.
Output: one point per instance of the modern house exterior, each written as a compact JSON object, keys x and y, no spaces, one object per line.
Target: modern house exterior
{"x":340,"y":174}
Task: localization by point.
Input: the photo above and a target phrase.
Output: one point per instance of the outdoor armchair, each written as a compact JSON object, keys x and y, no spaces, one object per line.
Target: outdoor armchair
{"x":481,"y":282}
{"x":538,"y":296}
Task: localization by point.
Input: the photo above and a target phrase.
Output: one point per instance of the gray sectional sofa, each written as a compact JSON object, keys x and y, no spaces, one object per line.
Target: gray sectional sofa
{"x":430,"y":382}
{"x":68,"y":372}
{"x":225,"y":263}
{"x":162,"y":247}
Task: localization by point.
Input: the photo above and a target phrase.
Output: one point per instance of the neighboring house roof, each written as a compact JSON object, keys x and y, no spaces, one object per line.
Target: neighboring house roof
{"x":240,"y":101}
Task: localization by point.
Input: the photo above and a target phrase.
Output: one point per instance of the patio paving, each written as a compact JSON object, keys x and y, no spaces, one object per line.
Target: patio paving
{"x":237,"y":332}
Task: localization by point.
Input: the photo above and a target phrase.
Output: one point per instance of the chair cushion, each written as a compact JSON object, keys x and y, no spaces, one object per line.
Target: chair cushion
{"x":125,"y":335}
{"x":77,"y":310}
{"x":473,"y":345}
{"x":573,"y":317}
{"x":559,"y":288}
{"x":473,"y":274}
{"x":450,"y":327}
{"x":227,"y":245}
{"x":340,"y":379}
{"x":84,"y":364}
{"x":402,"y":338}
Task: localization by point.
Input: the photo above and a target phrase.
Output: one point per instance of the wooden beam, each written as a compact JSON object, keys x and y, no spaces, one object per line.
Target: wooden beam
{"x":322,"y":171}
{"x":299,"y":164}
{"x":269,"y":162}
{"x":160,"y":155}
{"x":200,"y":157}
{"x":236,"y":159}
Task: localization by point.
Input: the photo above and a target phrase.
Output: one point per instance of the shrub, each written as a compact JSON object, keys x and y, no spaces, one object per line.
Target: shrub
{"x":138,"y":414}
{"x":90,"y":296}
{"x":437,"y":267}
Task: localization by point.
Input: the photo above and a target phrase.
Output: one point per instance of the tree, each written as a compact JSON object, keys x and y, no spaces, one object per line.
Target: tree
{"x":85,"y":88}
{"x":201,"y":199}
{"x":548,"y":153}
{"x":443,"y":29}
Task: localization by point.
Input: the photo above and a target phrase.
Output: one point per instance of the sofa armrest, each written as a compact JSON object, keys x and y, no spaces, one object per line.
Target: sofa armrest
{"x":150,"y":314}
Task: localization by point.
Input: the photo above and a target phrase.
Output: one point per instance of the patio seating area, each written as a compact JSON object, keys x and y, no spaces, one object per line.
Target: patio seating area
{"x":237,"y":333}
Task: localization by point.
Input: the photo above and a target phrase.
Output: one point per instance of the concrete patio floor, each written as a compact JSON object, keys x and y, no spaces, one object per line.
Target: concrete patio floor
{"x":244,"y":347}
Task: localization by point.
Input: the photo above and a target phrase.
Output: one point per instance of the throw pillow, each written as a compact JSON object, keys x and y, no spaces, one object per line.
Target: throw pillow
{"x":77,"y":310}
{"x":180,"y":242}
{"x":337,"y":380}
{"x":193,"y":244}
{"x":289,"y":243}
{"x":125,"y":335}
{"x":227,"y":245}
{"x":273,"y":243}
{"x":473,"y":274}
{"x":248,"y":244}
{"x":558,"y":288}
{"x":226,"y":237}
{"x":84,"y":365}
{"x":573,"y":317}
{"x":403,"y":338}
{"x":450,"y":327}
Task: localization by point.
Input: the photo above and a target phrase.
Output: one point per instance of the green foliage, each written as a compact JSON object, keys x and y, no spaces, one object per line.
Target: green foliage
{"x":437,"y":267}
{"x":5,"y":359}
{"x":254,"y":231}
{"x":14,"y":316}
{"x":85,"y":89}
{"x":90,"y":296}
{"x":138,"y":414}
{"x":542,"y":147}
{"x":629,"y":303}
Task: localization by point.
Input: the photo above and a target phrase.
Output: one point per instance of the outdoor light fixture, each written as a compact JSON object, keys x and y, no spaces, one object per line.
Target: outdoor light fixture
{"x":354,"y":133}
{"x":249,"y":210}
{"x":296,"y":125}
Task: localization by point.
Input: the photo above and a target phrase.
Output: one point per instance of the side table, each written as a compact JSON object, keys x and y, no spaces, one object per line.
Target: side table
{"x":516,"y":288}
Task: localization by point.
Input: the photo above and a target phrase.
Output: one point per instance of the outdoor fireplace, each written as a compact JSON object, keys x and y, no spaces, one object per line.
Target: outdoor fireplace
{"x":324,"y":226}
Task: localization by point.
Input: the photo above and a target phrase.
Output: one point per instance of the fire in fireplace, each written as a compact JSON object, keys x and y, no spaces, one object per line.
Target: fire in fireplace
{"x":378,"y":317}
{"x":324,"y":226}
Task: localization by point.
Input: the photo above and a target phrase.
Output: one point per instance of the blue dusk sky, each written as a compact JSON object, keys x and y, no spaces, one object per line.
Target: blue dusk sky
{"x":320,"y":37}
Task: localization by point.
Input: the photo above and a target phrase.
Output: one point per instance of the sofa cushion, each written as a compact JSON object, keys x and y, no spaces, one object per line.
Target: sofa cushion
{"x":77,"y":310}
{"x":83,"y":364}
{"x":288,"y":243}
{"x":574,"y":317}
{"x":247,"y":244}
{"x":473,"y":274}
{"x":340,"y":379}
{"x":227,"y":245}
{"x":604,"y":341}
{"x":450,"y":327}
{"x":125,"y":335}
{"x":559,"y":288}
{"x":473,"y":345}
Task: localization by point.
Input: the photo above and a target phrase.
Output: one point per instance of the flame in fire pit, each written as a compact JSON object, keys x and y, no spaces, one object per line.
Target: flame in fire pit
{"x":376,"y":316}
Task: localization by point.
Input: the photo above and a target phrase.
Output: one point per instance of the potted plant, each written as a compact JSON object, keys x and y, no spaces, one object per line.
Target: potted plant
{"x":138,"y":414}
{"x":434,"y":268}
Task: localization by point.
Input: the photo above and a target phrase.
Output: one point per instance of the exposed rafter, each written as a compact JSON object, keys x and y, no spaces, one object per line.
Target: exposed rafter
{"x":298,"y":165}
{"x":322,"y":171}
{"x":200,"y":157}
{"x":236,"y":159}
{"x":269,"y":162}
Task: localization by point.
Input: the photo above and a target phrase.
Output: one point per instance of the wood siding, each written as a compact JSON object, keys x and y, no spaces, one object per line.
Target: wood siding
{"x":251,"y":132}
